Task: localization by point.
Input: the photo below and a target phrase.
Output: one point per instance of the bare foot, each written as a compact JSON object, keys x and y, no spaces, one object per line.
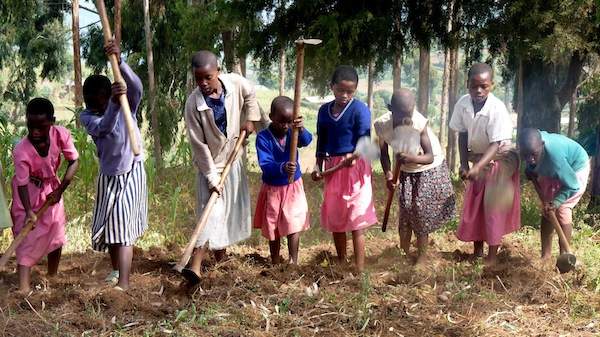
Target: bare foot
{"x":421,"y":259}
{"x":121,"y":287}
{"x":275,"y":259}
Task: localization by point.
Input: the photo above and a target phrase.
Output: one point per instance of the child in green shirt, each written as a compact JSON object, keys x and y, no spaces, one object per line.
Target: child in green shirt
{"x":561,"y":168}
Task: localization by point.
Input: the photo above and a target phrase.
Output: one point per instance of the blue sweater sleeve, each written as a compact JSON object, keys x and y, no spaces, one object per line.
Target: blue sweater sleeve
{"x":266,"y":160}
{"x":134,"y":87}
{"x":321,"y":133}
{"x":304,"y":138}
{"x":100,"y":126}
{"x":362,"y":122}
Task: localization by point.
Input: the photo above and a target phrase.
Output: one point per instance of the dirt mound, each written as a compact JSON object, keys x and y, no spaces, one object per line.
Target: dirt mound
{"x":451,"y":295}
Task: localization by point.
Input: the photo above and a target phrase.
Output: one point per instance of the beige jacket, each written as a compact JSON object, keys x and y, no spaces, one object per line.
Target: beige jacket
{"x":210,"y":148}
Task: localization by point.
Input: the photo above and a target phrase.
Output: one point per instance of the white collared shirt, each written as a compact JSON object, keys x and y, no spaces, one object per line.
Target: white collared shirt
{"x":491,"y":124}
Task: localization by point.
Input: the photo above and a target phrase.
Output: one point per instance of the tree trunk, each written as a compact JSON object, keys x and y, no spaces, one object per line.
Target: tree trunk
{"x":76,"y":59}
{"x":117,"y":30}
{"x":370,"y":87}
{"x":397,"y":70}
{"x":228,"y":50}
{"x":282,"y":71}
{"x":451,"y":152}
{"x":572,"y":112}
{"x":542,"y":100}
{"x":445,"y":103}
{"x":423,"y":98}
{"x":152,"y":88}
{"x":242,"y":62}
{"x":520,"y":96}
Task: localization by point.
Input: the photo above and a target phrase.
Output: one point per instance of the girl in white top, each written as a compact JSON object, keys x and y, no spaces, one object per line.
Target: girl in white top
{"x":426,"y":194}
{"x":492,"y":202}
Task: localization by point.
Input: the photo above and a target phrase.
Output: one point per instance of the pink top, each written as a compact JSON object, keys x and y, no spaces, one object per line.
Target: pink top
{"x":39,"y":174}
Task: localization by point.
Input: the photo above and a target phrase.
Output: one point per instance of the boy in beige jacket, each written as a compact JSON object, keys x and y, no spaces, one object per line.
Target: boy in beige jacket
{"x":219,"y":108}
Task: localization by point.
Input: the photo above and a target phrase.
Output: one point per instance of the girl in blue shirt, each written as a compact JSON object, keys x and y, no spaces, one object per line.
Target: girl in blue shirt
{"x":348,"y":196}
{"x":281,"y":208}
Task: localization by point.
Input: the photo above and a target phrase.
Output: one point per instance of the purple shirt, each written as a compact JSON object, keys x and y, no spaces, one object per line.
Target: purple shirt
{"x":109,"y":131}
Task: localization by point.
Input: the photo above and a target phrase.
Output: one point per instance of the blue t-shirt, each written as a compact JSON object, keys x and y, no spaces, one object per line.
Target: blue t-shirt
{"x":338,"y":135}
{"x":273,"y":153}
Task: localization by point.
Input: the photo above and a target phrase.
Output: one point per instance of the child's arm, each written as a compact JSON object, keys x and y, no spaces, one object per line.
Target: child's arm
{"x":423,"y":159}
{"x":321,"y":153}
{"x":463,"y":152}
{"x":386,"y":165}
{"x":100,"y":126}
{"x":486,"y":158}
{"x":266,"y":161}
{"x":72,"y":156}
{"x":200,"y":151}
{"x":133,"y":82}
{"x":22,"y":169}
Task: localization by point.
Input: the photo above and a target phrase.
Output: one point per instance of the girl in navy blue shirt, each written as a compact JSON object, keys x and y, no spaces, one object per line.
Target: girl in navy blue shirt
{"x":281,"y":208}
{"x":348,"y":196}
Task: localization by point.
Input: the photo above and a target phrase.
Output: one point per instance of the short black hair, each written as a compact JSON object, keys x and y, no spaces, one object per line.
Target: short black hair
{"x":40,"y":106}
{"x":204,"y":58}
{"x":281,"y":102}
{"x":344,"y":73}
{"x":93,"y":85}
{"x":528,"y":137}
{"x":480,"y":68}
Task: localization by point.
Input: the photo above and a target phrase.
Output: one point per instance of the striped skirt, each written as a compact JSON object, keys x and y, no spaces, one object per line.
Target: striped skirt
{"x":121,"y":210}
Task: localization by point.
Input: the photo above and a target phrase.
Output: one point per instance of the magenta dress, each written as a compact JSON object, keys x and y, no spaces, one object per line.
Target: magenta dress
{"x":40,"y":176}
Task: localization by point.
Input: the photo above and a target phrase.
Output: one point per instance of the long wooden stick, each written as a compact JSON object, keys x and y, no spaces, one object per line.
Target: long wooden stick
{"x":390,"y":199}
{"x":114,"y":62}
{"x":22,"y":235}
{"x":297,"y":98}
{"x":189,"y":249}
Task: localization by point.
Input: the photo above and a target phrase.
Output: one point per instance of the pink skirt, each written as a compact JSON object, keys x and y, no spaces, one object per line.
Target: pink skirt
{"x":348,"y":198}
{"x":492,"y":206}
{"x":49,"y":232}
{"x":551,"y":186}
{"x":281,"y":210}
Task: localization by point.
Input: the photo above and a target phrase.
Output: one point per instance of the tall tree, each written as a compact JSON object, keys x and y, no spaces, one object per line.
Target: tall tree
{"x":76,"y":57}
{"x":152,"y":88}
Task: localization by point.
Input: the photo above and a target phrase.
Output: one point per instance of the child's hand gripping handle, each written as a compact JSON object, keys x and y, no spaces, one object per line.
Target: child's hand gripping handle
{"x":390,"y":198}
{"x":189,"y":249}
{"x":22,"y":234}
{"x":114,"y":63}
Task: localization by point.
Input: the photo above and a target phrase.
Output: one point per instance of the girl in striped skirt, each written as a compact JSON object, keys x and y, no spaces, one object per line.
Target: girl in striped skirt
{"x":120,"y":213}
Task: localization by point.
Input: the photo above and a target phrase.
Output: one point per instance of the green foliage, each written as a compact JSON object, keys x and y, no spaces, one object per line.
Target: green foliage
{"x":32,"y":37}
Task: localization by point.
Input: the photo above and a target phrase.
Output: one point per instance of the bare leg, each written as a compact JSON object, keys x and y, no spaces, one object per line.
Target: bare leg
{"x":53,"y":261}
{"x":491,"y":259}
{"x":405,"y":234}
{"x":274,"y":249}
{"x":422,"y":245}
{"x":113,"y":250}
{"x":546,"y":231}
{"x":24,"y":279}
{"x":358,"y":239}
{"x":220,"y":255}
{"x":125,"y":259}
{"x":478,"y":248}
{"x":293,"y":245}
{"x":196,"y":264}
{"x":339,"y":239}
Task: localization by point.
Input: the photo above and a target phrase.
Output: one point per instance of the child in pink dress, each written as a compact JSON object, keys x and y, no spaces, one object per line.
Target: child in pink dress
{"x":492,"y":199}
{"x":37,"y":161}
{"x":281,"y":208}
{"x":348,"y":196}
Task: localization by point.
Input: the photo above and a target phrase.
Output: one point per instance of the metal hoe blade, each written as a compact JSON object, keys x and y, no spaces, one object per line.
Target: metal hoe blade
{"x":308,"y":41}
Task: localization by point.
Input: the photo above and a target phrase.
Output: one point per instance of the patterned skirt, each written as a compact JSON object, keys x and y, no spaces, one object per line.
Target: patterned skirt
{"x":121,"y":210}
{"x":427,"y":199}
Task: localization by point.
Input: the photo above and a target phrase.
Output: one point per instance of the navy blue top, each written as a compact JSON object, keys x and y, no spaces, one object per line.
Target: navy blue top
{"x":218,"y":107}
{"x":339,"y":135}
{"x":272,"y":155}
